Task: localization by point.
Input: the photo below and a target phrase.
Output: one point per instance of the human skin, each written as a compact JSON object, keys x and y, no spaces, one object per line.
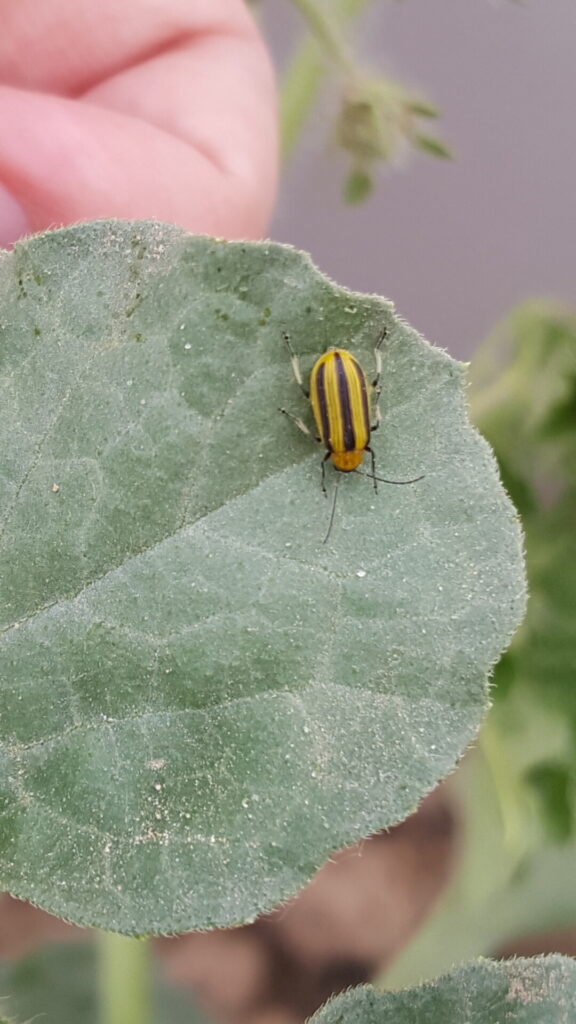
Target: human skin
{"x":142,"y":109}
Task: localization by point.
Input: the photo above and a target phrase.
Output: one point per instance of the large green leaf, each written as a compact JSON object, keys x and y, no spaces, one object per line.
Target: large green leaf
{"x":537,"y":991}
{"x":57,"y":984}
{"x":200,"y":700}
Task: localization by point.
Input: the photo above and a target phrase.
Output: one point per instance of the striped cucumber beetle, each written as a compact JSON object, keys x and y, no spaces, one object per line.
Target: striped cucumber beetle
{"x":344,"y":413}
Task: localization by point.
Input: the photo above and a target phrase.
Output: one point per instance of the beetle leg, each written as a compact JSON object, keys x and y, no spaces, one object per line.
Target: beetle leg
{"x":299,"y":423}
{"x":378,"y":360}
{"x":324,"y":461}
{"x":295,"y":365}
{"x":377,"y":418}
{"x":373,"y":461}
{"x":376,"y":386}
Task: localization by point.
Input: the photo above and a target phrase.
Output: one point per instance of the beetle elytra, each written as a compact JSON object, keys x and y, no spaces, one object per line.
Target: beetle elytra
{"x":345,"y":412}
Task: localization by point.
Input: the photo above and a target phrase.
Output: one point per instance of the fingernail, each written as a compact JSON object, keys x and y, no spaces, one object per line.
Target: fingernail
{"x":13,"y":220}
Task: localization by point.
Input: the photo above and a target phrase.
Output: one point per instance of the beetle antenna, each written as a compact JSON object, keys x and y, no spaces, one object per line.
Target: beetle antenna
{"x":382,"y":480}
{"x":329,"y":531}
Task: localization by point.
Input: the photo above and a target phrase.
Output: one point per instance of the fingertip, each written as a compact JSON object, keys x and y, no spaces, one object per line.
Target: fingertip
{"x":13,"y":220}
{"x":86,"y":162}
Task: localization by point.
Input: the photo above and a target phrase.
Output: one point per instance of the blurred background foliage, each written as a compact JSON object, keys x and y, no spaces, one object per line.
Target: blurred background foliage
{"x":516,"y":791}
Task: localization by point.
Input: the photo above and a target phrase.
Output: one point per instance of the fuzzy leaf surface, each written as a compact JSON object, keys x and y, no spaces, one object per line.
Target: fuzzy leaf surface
{"x":541,"y":990}
{"x":199,"y":700}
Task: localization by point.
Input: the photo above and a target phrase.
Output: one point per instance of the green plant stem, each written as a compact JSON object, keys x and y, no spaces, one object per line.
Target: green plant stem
{"x":304,"y":75}
{"x":325,"y":29}
{"x":299,"y":88}
{"x":124,"y":980}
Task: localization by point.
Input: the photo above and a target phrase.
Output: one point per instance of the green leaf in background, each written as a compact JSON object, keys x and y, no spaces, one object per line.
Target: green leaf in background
{"x":57,"y":984}
{"x":497,"y":894}
{"x":523,"y":394}
{"x":433,"y":146}
{"x":541,"y":990}
{"x":524,"y":401}
{"x":517,"y":790}
{"x":199,"y":701}
{"x":358,"y":186}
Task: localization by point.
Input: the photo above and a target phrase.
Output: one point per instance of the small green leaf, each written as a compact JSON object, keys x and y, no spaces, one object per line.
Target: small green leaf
{"x":358,"y":187}
{"x":435,"y":147}
{"x":57,"y":984}
{"x":541,"y":990}
{"x":200,"y":701}
{"x":422,"y":107}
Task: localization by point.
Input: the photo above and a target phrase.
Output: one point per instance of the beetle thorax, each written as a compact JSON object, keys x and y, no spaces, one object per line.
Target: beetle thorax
{"x":347,"y":462}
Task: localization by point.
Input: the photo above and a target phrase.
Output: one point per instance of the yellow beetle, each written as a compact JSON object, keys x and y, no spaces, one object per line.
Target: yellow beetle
{"x":342,"y":411}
